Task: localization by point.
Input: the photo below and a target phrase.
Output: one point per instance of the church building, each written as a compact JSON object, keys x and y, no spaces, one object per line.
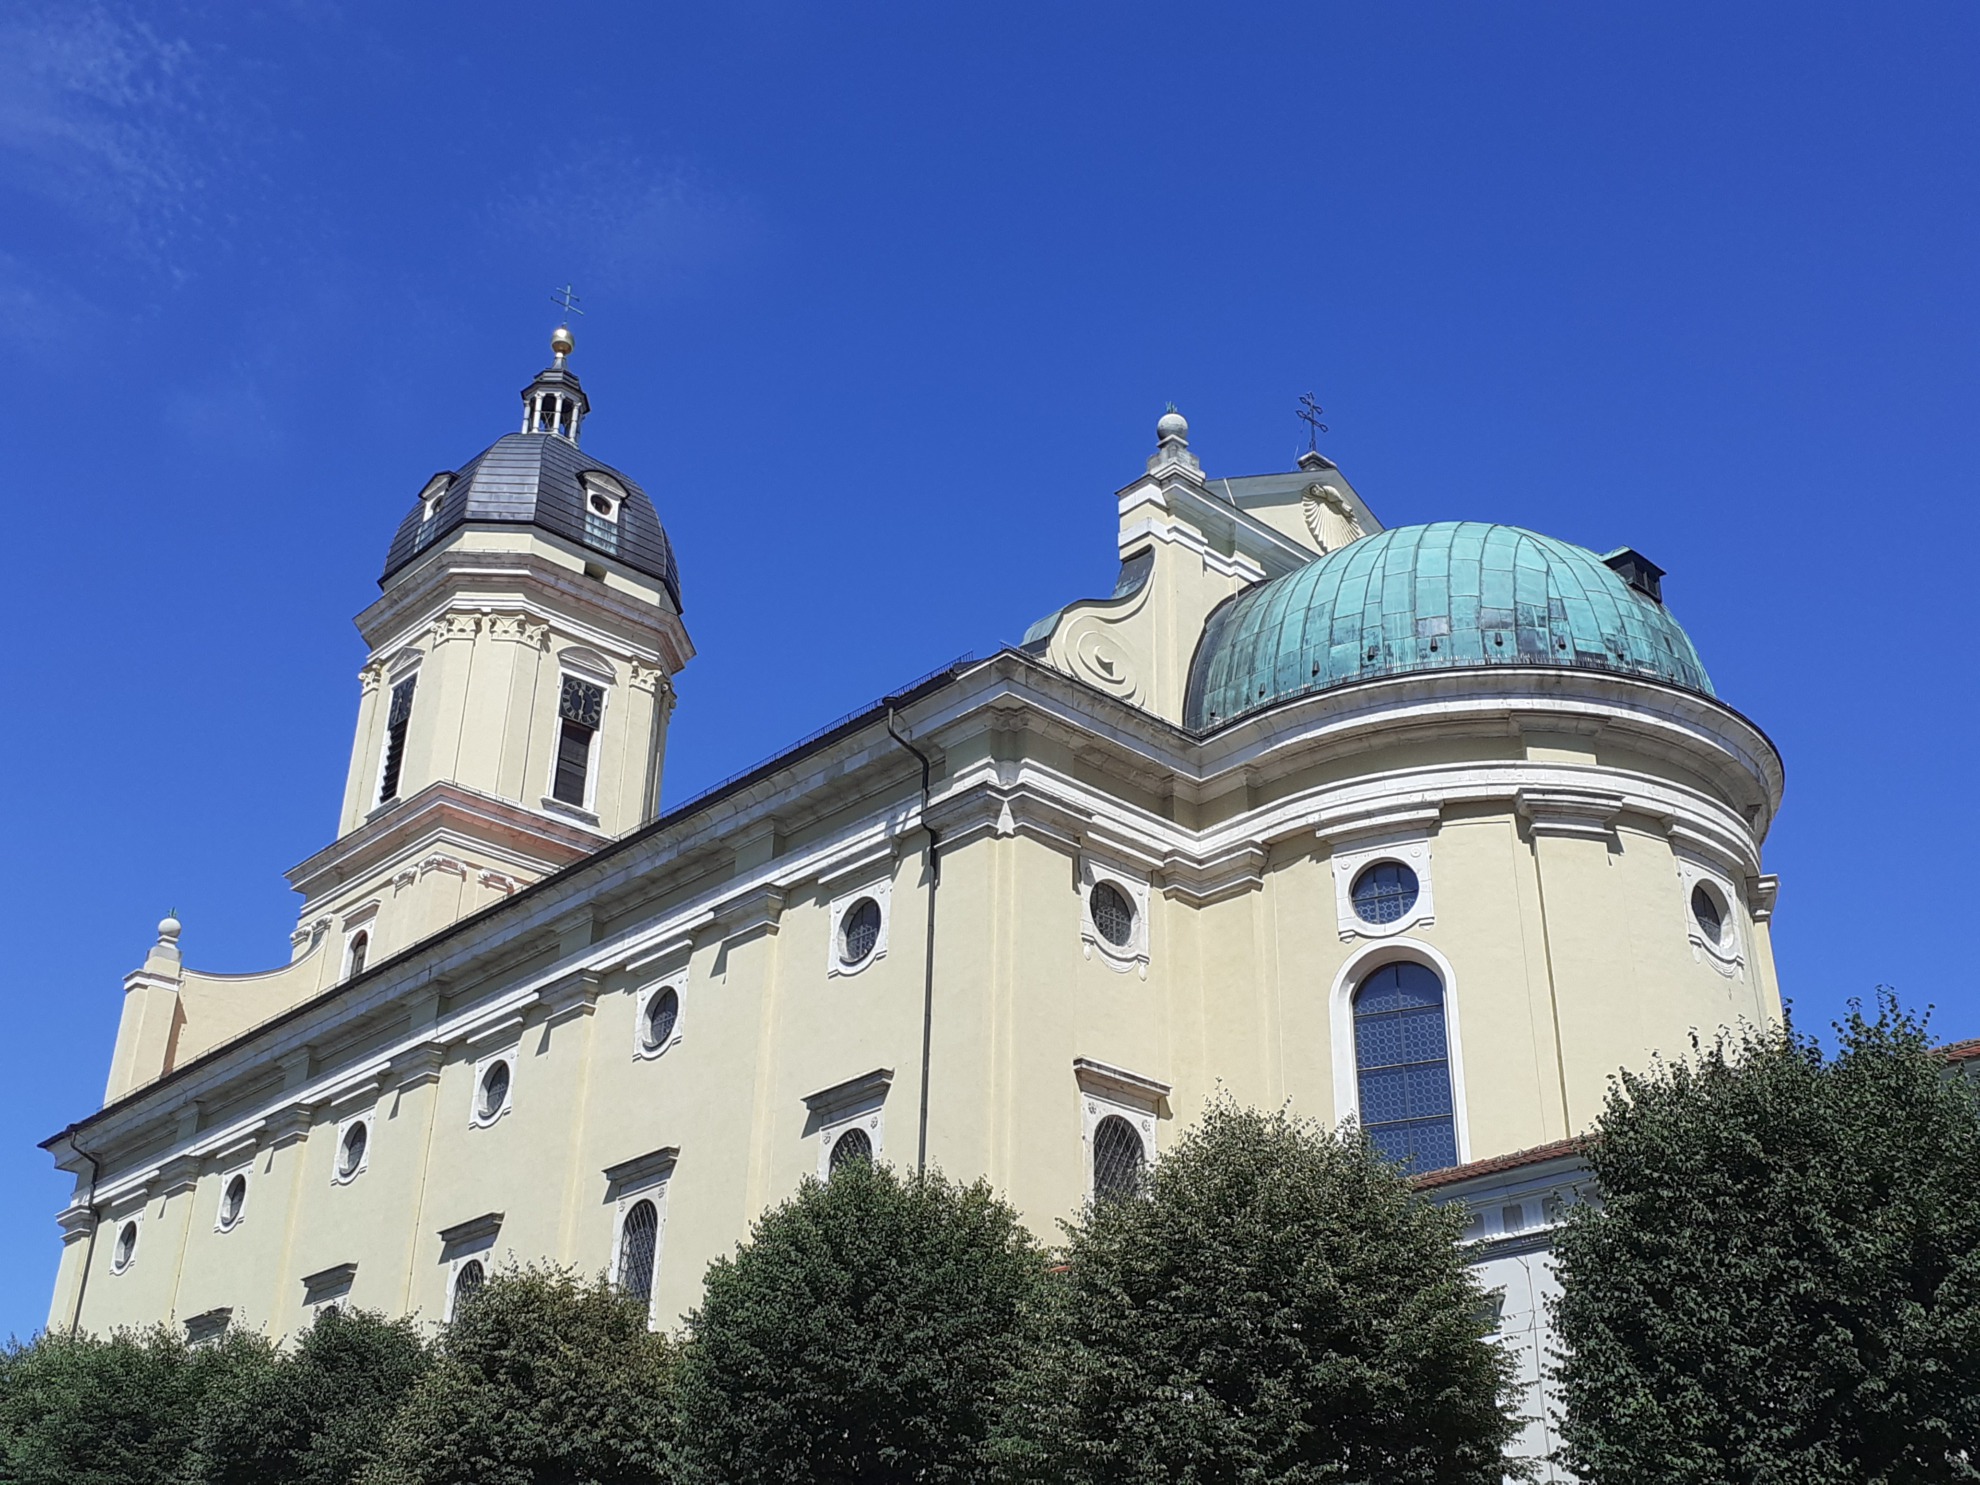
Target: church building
{"x":1431,"y":827}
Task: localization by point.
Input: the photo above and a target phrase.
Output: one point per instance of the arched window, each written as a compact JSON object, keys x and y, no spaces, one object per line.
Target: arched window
{"x":360,"y":946}
{"x":637,"y":1240}
{"x":468,"y":1281}
{"x":1118,"y":1159}
{"x":1403,"y":1067}
{"x":848,"y":1147}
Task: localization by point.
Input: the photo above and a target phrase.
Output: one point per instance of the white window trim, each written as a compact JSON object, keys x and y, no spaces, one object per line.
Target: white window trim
{"x":873,"y":1121}
{"x":643,"y":1003}
{"x":1106,"y":1091}
{"x":454,"y":1268}
{"x":477,"y":1119}
{"x":882,"y":893}
{"x":1340,"y":1001}
{"x":651,"y":1188}
{"x":1728,"y":956}
{"x":1411,"y":849}
{"x":246,"y":1173}
{"x":132,"y":1220}
{"x":598,"y":485}
{"x":859,"y":1103}
{"x":1121,"y":958}
{"x":580,"y":671}
{"x":351,"y":936}
{"x":338,"y":1176}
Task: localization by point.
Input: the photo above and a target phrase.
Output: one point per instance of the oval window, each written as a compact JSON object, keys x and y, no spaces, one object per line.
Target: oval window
{"x":126,"y":1248}
{"x":662,"y":1012}
{"x":494,"y":1090}
{"x":859,"y":931}
{"x":1711,"y":918}
{"x":1113,"y":914}
{"x":350,"y":1155}
{"x":1382,"y":893}
{"x":233,"y":1200}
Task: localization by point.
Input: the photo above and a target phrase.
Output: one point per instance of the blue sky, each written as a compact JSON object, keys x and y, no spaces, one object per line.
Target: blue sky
{"x":883,"y":304}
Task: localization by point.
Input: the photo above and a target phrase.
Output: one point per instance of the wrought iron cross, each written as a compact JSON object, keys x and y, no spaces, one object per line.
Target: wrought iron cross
{"x":567,"y":299}
{"x":1309,"y":414}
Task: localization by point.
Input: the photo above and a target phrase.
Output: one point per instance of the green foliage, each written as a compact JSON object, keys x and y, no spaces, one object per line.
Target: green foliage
{"x":861,"y":1335}
{"x":315,"y":1417}
{"x":1281,"y":1307}
{"x":1782,"y":1283}
{"x":116,"y":1410}
{"x":541,"y":1379}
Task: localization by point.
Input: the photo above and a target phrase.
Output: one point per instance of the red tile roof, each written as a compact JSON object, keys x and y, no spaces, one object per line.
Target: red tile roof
{"x":1497,"y":1163}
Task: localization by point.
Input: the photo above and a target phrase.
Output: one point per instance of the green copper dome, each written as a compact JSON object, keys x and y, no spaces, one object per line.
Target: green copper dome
{"x":1445,"y":596}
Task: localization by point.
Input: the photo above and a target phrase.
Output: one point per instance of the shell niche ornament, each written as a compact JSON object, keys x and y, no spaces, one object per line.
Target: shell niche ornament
{"x":1330,"y":518}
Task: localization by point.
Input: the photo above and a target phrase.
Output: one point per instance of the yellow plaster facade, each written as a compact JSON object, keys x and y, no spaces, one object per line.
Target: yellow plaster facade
{"x":901,"y":927}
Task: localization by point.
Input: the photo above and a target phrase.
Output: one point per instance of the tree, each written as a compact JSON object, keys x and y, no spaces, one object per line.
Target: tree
{"x":318,"y":1414}
{"x":861,"y":1334}
{"x":1782,"y":1280}
{"x":1278,"y":1305}
{"x":116,"y":1410}
{"x":540,"y":1378}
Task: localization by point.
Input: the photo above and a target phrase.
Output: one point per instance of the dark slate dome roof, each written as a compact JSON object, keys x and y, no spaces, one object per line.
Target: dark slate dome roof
{"x":1444,"y":596}
{"x":537,"y":479}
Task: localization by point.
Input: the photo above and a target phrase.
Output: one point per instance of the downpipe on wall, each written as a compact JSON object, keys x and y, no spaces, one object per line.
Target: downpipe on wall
{"x":928,"y":965}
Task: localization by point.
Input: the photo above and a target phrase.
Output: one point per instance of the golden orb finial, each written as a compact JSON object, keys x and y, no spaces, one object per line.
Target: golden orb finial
{"x":561,"y":342}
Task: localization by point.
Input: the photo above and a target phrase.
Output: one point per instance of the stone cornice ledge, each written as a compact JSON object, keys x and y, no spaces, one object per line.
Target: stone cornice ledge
{"x":1588,"y":813}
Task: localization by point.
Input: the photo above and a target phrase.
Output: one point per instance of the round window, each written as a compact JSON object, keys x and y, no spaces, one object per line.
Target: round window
{"x":602,"y":504}
{"x":1383,"y":892}
{"x":126,"y":1248}
{"x":1711,"y":918}
{"x":662,"y":1011}
{"x":494,"y":1089}
{"x":848,"y":1147}
{"x":859,"y":931}
{"x":350,"y":1155}
{"x":1113,"y":914}
{"x":232,"y":1201}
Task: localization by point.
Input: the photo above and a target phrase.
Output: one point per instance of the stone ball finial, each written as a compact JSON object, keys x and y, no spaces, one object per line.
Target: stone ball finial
{"x":1172,"y":425}
{"x":561,"y":342}
{"x":169,"y":927}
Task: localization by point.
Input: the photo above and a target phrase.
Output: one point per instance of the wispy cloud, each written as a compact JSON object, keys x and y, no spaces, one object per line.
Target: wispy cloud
{"x":625,"y":224}
{"x":101,"y":120}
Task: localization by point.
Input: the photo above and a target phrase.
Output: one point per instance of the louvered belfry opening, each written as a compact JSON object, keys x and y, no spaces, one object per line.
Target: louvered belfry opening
{"x":636,"y":1246}
{"x":580,"y":707}
{"x":396,"y":722}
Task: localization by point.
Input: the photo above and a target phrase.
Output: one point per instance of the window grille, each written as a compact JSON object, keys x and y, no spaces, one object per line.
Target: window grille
{"x":1403,"y":1068}
{"x":1118,"y":1159}
{"x":1705,"y":908}
{"x":1113,"y":914}
{"x":661,"y":1013}
{"x":859,"y":931}
{"x":494,"y":1089}
{"x":1384,"y":892}
{"x":637,"y":1240}
{"x":468,"y":1282}
{"x":848,"y":1147}
{"x":396,"y":722}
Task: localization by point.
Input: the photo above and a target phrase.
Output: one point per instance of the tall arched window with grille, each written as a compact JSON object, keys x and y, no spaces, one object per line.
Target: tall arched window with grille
{"x":1403,"y":1067}
{"x":637,"y":1240}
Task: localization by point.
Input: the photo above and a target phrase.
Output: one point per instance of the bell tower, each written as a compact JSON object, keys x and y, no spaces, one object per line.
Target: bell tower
{"x":512,"y":712}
